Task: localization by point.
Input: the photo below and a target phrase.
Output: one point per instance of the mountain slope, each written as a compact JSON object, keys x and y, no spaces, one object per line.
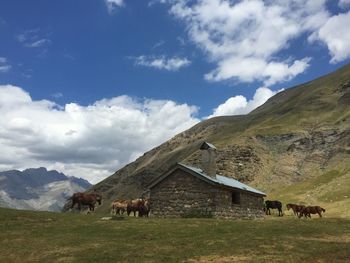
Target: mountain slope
{"x":38,"y":189}
{"x":298,"y":140}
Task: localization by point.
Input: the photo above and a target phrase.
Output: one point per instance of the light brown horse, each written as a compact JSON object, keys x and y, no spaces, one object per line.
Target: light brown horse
{"x":89,"y":199}
{"x":307,"y":211}
{"x":296,"y":208}
{"x":119,"y":206}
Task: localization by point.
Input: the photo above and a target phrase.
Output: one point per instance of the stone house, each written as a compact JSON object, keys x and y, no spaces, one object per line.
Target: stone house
{"x":187,"y":191}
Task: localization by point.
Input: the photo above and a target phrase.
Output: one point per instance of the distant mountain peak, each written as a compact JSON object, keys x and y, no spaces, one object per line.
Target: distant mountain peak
{"x":38,"y":188}
{"x":39,"y":169}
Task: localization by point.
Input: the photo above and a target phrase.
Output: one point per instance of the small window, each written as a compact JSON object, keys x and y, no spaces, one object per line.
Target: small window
{"x":236,"y":198}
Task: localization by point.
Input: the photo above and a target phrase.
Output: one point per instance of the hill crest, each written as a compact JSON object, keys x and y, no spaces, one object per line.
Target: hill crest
{"x":300,"y":134}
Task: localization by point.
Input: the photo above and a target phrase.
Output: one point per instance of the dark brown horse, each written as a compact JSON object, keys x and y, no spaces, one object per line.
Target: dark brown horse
{"x":144,"y":209}
{"x":273,"y":205}
{"x":307,"y":211}
{"x":135,"y":206}
{"x":296,"y":208}
{"x":89,"y":199}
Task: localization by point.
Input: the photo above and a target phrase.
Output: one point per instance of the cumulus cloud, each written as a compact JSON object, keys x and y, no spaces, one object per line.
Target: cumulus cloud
{"x":239,"y":105}
{"x":86,"y":141}
{"x":245,"y":38}
{"x":113,"y":4}
{"x":170,"y":64}
{"x":253,"y":69}
{"x":336,"y":35}
{"x":4,"y":65}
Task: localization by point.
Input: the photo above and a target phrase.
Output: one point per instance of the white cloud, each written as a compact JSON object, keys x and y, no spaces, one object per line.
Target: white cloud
{"x":57,"y":95}
{"x":94,"y":141}
{"x":335,"y":34}
{"x":170,"y":64}
{"x":90,"y":141}
{"x":158,"y":44}
{"x":239,"y":105}
{"x":33,"y":39}
{"x":254,"y":69}
{"x":113,"y":4}
{"x":245,"y":38}
{"x":153,"y":2}
{"x":344,"y":3}
{"x":38,"y":43}
{"x":4,"y":65}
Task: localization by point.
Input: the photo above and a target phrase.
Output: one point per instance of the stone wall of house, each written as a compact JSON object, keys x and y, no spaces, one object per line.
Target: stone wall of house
{"x":250,"y":206}
{"x":183,"y":195}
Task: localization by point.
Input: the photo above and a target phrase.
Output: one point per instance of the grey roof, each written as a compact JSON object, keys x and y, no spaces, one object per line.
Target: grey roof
{"x":223,"y":180}
{"x":207,"y":145}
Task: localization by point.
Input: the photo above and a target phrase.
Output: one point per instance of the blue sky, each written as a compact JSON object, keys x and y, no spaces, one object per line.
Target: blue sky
{"x":161,"y":61}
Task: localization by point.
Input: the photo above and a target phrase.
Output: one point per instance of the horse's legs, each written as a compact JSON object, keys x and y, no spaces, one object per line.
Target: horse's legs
{"x":319,"y":213}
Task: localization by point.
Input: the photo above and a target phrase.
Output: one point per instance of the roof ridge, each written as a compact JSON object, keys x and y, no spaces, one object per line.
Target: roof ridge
{"x":223,"y":180}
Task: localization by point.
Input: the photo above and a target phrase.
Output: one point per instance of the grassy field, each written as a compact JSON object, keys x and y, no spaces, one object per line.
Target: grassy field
{"x":53,"y":237}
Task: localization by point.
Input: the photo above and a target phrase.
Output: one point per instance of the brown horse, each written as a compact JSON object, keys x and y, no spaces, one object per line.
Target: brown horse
{"x":119,"y":206}
{"x":296,"y":208}
{"x":135,"y":206}
{"x":307,"y":211}
{"x":89,"y":199}
{"x":145,"y":209}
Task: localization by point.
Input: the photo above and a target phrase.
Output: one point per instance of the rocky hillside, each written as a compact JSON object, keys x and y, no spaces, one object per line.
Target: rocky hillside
{"x":38,"y":189}
{"x":295,"y":147}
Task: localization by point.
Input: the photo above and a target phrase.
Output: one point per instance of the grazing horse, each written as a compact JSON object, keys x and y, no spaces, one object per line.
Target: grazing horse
{"x":307,"y":211}
{"x":119,"y":206}
{"x":296,"y":208}
{"x":273,"y":205}
{"x":89,"y":199}
{"x":134,"y":206}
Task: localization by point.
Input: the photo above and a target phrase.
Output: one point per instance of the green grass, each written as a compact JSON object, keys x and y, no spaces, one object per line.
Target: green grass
{"x":52,"y":237}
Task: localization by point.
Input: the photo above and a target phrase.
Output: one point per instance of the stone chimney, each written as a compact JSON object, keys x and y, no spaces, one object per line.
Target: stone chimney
{"x":208,"y":159}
